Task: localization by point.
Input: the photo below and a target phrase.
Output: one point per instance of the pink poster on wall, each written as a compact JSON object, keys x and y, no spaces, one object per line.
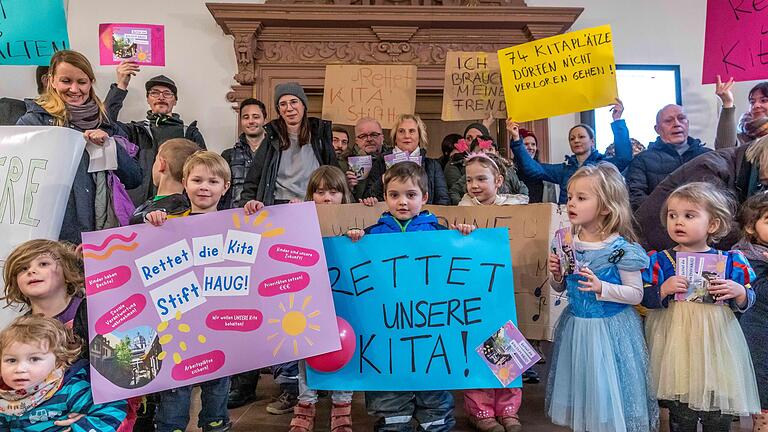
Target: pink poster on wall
{"x":142,"y":43}
{"x":204,"y":297}
{"x":736,"y":41}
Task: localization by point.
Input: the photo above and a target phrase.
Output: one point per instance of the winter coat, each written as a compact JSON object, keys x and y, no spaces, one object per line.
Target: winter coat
{"x":79,"y":215}
{"x":11,"y":110}
{"x":262,"y":176}
{"x":561,"y":173}
{"x":74,"y":396}
{"x":140,"y":133}
{"x":239,"y":158}
{"x":424,"y":221}
{"x":436,"y":187}
{"x":727,"y":168}
{"x":650,"y":167}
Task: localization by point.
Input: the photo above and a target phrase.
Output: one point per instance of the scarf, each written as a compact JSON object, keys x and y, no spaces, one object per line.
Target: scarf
{"x":86,"y":116}
{"x":752,"y":128}
{"x":18,"y":402}
{"x":753,"y":252}
{"x":158,"y":120}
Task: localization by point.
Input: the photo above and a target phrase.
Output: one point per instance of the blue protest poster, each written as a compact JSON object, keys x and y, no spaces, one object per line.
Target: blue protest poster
{"x":31,"y":31}
{"x":418,"y":304}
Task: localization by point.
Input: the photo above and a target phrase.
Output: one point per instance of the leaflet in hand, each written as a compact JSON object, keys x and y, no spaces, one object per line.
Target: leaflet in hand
{"x":564,"y":249}
{"x":700,"y":269}
{"x":394,"y":158}
{"x":360,"y":165}
{"x":141,"y":43}
{"x":508,"y":353}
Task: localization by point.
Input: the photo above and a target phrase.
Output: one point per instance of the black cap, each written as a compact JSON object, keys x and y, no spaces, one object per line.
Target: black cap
{"x":164,"y":81}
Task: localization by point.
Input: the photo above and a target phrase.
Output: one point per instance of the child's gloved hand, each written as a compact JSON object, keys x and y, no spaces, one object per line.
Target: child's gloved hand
{"x":253,"y":206}
{"x":553,"y":265}
{"x":675,"y":284}
{"x":355,"y":234}
{"x":723,"y":289}
{"x":156,"y":218}
{"x":465,"y":229}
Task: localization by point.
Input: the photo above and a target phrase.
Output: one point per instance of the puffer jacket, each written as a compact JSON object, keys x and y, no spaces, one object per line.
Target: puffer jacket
{"x":437,"y":188}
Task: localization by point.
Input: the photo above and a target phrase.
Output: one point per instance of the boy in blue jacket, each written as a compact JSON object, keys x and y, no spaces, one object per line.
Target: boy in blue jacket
{"x":405,"y":192}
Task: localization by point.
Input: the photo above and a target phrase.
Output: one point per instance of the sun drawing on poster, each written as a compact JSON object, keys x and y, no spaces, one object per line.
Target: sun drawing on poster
{"x":166,"y":339}
{"x":260,"y":218}
{"x":293,"y":324}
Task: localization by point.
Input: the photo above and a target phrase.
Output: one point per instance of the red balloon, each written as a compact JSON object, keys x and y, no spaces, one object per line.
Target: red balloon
{"x":335,"y":360}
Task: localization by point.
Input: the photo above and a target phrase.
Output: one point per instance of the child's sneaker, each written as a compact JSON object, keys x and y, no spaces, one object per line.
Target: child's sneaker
{"x":511,"y":424}
{"x":283,"y":405}
{"x":303,"y":418}
{"x":341,"y":417}
{"x":217,"y":426}
{"x":488,"y":424}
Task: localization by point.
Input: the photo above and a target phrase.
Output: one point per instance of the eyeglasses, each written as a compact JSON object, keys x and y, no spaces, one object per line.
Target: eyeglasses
{"x":371,"y":136}
{"x":284,"y":104}
{"x":157,"y":93}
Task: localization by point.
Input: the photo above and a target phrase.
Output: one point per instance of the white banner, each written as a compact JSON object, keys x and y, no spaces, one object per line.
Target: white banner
{"x":37,"y":167}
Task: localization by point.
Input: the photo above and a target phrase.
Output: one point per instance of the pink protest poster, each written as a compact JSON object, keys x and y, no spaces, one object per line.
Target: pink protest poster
{"x":142,"y":43}
{"x":507,"y":353}
{"x":735,"y":41}
{"x":204,"y":297}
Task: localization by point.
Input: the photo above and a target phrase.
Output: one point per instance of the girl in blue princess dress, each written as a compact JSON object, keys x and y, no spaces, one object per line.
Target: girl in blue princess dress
{"x":598,"y":380}
{"x":700,"y":363}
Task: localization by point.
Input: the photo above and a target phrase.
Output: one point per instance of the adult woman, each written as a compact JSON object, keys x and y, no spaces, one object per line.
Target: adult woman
{"x":409,"y":136}
{"x":70,"y":101}
{"x":294,"y":146}
{"x":538,"y":190}
{"x":582,"y":141}
{"x":753,"y":124}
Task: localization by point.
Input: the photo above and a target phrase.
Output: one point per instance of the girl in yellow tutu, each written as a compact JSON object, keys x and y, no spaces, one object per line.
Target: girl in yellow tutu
{"x":700,"y":364}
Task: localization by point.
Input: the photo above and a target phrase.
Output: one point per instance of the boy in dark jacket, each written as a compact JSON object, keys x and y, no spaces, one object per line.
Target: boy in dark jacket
{"x":167,"y":176}
{"x":405,"y":186}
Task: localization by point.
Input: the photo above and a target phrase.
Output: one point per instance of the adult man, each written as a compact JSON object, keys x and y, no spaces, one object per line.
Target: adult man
{"x":369,"y":141}
{"x":11,"y":110}
{"x":672,"y":148}
{"x":340,"y":141}
{"x":253,"y":115}
{"x":160,"y":125}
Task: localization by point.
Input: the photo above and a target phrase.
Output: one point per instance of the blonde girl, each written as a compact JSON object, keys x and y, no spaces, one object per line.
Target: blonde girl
{"x":598,"y":377}
{"x":700,"y":363}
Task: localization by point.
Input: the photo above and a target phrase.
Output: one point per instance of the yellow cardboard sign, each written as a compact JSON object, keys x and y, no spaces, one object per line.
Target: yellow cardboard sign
{"x":561,"y":74}
{"x":382,"y":92}
{"x":473,"y":87}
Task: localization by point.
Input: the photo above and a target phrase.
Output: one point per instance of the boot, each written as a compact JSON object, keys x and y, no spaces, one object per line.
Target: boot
{"x":488,"y":424}
{"x":510,"y":423}
{"x":341,"y":417}
{"x":303,"y":418}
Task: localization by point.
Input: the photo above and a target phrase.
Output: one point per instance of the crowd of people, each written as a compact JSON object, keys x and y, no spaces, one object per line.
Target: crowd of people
{"x":624,"y":346}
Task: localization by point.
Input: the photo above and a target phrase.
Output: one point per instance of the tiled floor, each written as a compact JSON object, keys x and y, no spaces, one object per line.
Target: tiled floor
{"x":253,"y":417}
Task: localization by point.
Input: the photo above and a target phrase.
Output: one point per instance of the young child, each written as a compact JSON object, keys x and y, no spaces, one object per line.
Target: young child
{"x":327,"y":185}
{"x":405,"y":192}
{"x":700,"y":364}
{"x":754,"y":322}
{"x":206,"y":178}
{"x":483,"y":180}
{"x":38,"y":385}
{"x":46,"y":277}
{"x":598,"y":377}
{"x":167,"y":172}
{"x":490,"y":410}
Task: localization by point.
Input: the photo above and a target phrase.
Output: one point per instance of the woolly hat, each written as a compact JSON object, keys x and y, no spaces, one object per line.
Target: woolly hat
{"x":479,"y":126}
{"x":290,"y":88}
{"x":162,"y":80}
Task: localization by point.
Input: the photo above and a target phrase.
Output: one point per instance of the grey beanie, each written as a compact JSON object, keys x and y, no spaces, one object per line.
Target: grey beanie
{"x":290,"y":88}
{"x":479,"y":126}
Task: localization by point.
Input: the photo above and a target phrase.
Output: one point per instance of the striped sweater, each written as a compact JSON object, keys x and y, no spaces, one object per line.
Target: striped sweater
{"x":74,"y":396}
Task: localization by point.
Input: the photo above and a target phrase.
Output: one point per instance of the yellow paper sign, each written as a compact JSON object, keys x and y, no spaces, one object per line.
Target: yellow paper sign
{"x":559,"y":75}
{"x":382,"y":92}
{"x":472,"y":86}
